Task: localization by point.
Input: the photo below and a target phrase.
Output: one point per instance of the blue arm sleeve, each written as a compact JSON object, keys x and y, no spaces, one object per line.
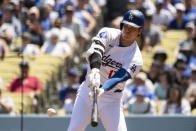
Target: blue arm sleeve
{"x":120,"y":76}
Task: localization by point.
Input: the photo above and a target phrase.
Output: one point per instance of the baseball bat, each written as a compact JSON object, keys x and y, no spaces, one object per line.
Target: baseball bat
{"x":94,"y":116}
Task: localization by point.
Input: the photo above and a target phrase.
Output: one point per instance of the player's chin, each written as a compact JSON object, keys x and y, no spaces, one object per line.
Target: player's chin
{"x":127,"y":37}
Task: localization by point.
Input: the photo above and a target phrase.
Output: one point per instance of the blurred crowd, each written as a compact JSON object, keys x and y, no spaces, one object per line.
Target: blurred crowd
{"x":64,"y":28}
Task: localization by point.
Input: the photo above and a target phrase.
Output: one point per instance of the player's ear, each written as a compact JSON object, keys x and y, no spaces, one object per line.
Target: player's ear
{"x":140,"y":31}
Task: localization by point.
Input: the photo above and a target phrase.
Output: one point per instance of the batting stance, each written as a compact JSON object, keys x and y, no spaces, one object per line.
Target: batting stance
{"x":113,"y":58}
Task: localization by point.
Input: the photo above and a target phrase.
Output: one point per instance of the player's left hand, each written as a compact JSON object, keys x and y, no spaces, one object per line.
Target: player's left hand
{"x":100,"y":91}
{"x":93,"y":79}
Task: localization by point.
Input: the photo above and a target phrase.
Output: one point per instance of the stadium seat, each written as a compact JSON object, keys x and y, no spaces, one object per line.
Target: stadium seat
{"x":194,"y":112}
{"x":16,"y":97}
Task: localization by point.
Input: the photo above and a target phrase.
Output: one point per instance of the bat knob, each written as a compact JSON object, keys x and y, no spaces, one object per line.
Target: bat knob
{"x":94,"y":124}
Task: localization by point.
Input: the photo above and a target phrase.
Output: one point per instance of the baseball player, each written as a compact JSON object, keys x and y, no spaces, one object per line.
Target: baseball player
{"x":113,"y":58}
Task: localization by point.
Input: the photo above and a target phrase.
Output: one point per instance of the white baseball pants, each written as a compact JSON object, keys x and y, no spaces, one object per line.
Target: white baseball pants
{"x":109,"y":111}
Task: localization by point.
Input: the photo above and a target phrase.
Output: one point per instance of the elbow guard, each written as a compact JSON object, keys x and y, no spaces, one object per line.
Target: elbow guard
{"x":96,"y":47}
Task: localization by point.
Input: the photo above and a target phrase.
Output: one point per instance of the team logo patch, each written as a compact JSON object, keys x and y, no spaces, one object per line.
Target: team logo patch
{"x":133,"y":68}
{"x":103,"y":35}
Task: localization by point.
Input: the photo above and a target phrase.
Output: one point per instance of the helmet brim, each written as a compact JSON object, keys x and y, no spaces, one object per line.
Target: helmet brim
{"x":130,"y":23}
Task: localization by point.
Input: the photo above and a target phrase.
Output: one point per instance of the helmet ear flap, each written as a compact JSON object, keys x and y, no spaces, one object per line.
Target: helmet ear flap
{"x":121,"y":26}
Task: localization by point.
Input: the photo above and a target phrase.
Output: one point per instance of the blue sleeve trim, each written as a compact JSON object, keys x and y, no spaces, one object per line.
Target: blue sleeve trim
{"x":120,"y":76}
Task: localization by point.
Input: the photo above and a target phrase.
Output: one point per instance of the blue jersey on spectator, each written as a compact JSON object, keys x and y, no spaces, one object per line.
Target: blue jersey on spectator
{"x":191,"y":14}
{"x":173,"y":24}
{"x":63,"y":93}
{"x":192,"y":60}
{"x":65,"y":90}
{"x":46,"y":24}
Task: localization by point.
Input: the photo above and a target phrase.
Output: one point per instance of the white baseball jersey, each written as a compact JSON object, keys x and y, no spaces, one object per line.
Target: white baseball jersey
{"x":115,"y":57}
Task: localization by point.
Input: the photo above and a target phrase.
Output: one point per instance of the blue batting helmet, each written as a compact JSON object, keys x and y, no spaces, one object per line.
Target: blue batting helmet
{"x":134,"y":18}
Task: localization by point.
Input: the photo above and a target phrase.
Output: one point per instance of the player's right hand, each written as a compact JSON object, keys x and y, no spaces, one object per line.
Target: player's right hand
{"x":93,"y":79}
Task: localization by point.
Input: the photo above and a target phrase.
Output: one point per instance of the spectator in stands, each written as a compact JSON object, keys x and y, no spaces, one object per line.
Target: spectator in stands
{"x":3,"y":44}
{"x":190,"y":11}
{"x":46,"y":21}
{"x":87,"y":20}
{"x":73,"y":83}
{"x":190,"y":31}
{"x":93,"y":8}
{"x":7,"y":31}
{"x":9,"y":17}
{"x":34,"y":27}
{"x":180,"y":21}
{"x":131,"y":5}
{"x":192,"y":60}
{"x":52,"y":13}
{"x":71,"y":22}
{"x":185,"y":81}
{"x":178,"y":67}
{"x":27,"y":48}
{"x":141,"y":104}
{"x":175,"y":104}
{"x":6,"y":104}
{"x":151,"y":32}
{"x":69,"y":101}
{"x":65,"y":34}
{"x":178,"y":75}
{"x":191,"y":91}
{"x":168,"y":6}
{"x":141,"y":80}
{"x":186,"y":48}
{"x":145,"y":5}
{"x":33,"y":16}
{"x":154,"y":71}
{"x":28,"y":84}
{"x":54,"y":47}
{"x":161,"y":56}
{"x":162,"y":17}
{"x":163,"y":84}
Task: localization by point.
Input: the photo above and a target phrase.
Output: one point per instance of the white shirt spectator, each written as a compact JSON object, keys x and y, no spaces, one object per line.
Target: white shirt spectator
{"x":65,"y":35}
{"x":171,"y":9}
{"x":148,"y":5}
{"x":9,"y":102}
{"x":29,"y":49}
{"x":7,"y":28}
{"x":163,"y":18}
{"x":68,"y":105}
{"x":60,"y":49}
{"x":185,"y":108}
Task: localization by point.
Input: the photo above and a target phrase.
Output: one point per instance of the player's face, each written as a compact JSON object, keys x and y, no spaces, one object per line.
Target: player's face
{"x":130,"y":33}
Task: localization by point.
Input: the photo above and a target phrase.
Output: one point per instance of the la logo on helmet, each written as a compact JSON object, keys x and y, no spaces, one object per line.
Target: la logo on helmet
{"x":130,"y":16}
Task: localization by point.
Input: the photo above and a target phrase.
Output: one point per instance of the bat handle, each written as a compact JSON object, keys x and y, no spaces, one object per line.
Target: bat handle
{"x":94,"y":118}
